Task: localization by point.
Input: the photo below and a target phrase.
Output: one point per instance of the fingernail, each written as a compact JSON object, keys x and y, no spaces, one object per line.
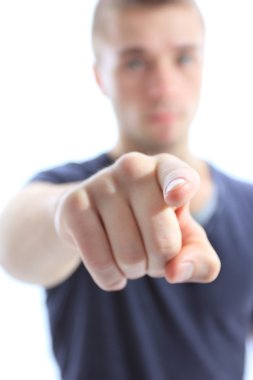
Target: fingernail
{"x":185,"y":272}
{"x":177,"y":182}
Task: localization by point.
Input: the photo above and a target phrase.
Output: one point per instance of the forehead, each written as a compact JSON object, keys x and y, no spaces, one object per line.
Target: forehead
{"x":154,"y":28}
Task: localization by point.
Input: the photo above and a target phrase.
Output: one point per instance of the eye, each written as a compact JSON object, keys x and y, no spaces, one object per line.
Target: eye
{"x":184,"y":59}
{"x":135,"y":64}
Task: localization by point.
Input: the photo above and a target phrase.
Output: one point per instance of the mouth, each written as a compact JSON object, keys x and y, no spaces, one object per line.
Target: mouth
{"x":163,"y":117}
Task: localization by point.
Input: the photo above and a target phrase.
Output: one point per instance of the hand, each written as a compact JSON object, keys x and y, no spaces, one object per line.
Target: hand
{"x":133,"y":218}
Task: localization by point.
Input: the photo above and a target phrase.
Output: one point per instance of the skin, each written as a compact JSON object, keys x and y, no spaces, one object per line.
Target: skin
{"x":132,"y":218}
{"x":150,"y":67}
{"x":149,"y":64}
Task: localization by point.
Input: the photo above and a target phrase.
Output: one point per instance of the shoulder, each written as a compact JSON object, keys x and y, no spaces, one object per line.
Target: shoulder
{"x":232,"y":189}
{"x":223,"y":177}
{"x":73,"y":171}
{"x":232,"y":217}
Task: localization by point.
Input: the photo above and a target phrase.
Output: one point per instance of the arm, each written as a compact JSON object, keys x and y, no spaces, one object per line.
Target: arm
{"x":120,"y":223}
{"x":30,"y":247}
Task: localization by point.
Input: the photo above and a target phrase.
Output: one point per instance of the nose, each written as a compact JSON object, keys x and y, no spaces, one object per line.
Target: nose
{"x":163,"y":81}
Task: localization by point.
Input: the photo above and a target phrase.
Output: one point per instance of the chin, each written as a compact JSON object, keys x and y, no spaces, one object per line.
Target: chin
{"x":164,"y":140}
{"x":156,"y":147}
{"x":166,"y":137}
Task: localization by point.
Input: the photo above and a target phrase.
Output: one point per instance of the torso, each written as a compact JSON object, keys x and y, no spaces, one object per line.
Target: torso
{"x":153,"y":330}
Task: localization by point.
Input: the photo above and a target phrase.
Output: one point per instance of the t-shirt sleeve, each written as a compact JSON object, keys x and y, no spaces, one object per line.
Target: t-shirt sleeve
{"x":73,"y":171}
{"x":70,"y":172}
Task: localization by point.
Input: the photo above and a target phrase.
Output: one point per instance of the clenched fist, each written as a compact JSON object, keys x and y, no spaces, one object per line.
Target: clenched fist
{"x":132,"y":219}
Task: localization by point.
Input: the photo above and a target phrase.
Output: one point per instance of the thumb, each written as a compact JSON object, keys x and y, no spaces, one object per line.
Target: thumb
{"x":197,"y":261}
{"x":178,"y":180}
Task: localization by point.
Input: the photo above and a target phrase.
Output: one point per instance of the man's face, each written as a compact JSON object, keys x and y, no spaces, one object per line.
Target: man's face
{"x":149,"y":65}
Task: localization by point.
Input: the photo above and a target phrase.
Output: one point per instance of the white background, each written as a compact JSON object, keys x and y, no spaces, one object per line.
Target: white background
{"x":51,"y":111}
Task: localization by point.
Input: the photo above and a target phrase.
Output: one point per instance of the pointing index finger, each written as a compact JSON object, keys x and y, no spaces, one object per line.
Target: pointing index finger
{"x":178,"y":181}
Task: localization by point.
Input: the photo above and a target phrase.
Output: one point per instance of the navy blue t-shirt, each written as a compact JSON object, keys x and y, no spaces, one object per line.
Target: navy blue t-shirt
{"x":152,"y":330}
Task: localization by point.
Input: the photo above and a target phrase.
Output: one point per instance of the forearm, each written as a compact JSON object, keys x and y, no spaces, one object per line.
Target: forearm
{"x":30,"y":248}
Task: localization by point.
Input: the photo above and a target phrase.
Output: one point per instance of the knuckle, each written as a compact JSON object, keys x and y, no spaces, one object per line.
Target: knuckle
{"x":112,"y":286}
{"x":70,"y":207}
{"x":131,"y":256}
{"x":74,"y":199}
{"x":98,"y":265}
{"x":165,"y":233}
{"x":167,"y":246}
{"x":156,"y":268}
{"x":133,"y":267}
{"x":168,"y":249}
{"x":106,"y":275}
{"x":102,"y":185}
{"x":133,"y":166}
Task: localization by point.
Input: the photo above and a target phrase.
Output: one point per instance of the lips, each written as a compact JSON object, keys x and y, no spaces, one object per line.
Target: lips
{"x":163,"y":117}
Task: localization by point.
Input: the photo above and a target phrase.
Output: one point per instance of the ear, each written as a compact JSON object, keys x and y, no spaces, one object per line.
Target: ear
{"x":99,"y":78}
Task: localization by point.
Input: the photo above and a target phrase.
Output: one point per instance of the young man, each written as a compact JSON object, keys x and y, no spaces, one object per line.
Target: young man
{"x":129,"y":272}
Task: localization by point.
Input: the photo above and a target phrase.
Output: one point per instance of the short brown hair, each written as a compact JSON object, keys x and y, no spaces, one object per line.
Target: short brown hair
{"x":103,"y":7}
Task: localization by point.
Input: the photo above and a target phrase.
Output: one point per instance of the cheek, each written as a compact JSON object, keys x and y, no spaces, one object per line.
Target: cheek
{"x":128,"y":86}
{"x":128,"y":95}
{"x":193,"y":89}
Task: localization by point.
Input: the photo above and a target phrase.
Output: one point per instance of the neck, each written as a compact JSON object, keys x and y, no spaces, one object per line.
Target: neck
{"x":180,"y":150}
